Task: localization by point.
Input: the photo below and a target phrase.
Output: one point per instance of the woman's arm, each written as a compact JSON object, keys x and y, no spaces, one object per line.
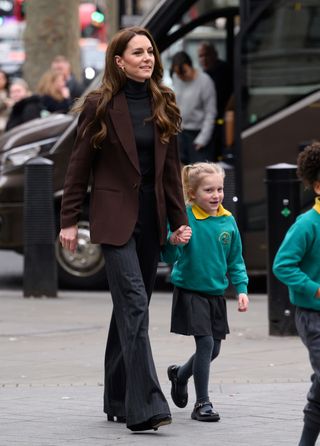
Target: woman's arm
{"x":79,"y":168}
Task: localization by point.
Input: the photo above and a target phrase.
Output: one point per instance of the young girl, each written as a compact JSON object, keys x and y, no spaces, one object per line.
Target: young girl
{"x":199,"y":274}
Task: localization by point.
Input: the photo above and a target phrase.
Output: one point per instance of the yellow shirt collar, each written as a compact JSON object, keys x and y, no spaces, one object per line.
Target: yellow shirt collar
{"x":200,"y":214}
{"x":316,"y":207}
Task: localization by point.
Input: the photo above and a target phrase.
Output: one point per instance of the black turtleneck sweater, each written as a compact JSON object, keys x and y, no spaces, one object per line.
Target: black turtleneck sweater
{"x":138,"y":99}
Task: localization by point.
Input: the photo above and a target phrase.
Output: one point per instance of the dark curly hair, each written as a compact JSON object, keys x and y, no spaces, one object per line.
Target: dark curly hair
{"x":309,"y":165}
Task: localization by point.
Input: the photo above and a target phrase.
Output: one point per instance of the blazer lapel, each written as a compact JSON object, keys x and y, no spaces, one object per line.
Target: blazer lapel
{"x":122,"y":123}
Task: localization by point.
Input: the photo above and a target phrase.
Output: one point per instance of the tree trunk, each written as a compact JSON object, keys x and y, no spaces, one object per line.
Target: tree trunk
{"x":52,"y":28}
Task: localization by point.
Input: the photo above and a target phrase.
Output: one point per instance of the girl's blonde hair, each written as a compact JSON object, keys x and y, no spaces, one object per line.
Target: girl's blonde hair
{"x":193,"y":174}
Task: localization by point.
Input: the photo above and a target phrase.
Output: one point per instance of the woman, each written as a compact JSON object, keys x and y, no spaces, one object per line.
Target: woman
{"x":196,"y":98}
{"x":127,"y":139}
{"x":25,"y":105}
{"x":54,"y":93}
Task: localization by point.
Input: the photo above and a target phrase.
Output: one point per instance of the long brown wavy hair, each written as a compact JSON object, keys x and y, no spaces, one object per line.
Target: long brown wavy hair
{"x":165,"y":111}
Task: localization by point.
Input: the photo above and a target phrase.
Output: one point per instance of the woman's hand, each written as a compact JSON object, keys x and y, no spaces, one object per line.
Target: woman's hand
{"x":243,"y":302}
{"x":318,"y":293}
{"x":65,"y":92}
{"x":181,"y":235}
{"x":69,"y":238}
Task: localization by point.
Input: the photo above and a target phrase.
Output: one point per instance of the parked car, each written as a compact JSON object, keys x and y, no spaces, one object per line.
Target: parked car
{"x":52,"y":138}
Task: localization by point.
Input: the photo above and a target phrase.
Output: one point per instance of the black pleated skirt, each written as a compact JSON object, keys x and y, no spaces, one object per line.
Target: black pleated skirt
{"x":199,"y":314}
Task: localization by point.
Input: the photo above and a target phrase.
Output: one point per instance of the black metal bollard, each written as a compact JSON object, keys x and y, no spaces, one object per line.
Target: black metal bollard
{"x":40,"y":268}
{"x":283,"y":206}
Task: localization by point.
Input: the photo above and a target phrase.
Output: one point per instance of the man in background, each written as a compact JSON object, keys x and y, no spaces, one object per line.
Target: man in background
{"x":221,"y":74}
{"x":62,"y":65}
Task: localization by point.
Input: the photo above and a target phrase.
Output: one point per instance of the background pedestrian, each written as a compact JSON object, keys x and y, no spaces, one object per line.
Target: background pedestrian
{"x":25,"y":106}
{"x":196,"y":98}
{"x":62,"y":65}
{"x":55,"y":95}
{"x":222,"y":76}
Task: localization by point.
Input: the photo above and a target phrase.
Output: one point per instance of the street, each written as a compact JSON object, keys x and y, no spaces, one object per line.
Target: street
{"x":11,"y":270}
{"x":52,"y":375}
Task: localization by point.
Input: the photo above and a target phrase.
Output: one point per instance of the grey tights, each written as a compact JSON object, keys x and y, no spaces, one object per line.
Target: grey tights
{"x":207,"y":349}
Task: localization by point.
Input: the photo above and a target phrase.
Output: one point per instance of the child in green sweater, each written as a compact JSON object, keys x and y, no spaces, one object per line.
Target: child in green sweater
{"x":199,"y":274}
{"x":297,"y":265}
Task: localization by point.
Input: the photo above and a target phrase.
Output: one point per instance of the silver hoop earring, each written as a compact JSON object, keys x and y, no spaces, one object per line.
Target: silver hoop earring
{"x":123,"y":68}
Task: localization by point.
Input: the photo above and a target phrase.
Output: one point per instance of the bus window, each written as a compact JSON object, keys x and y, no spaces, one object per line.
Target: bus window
{"x":280,"y":59}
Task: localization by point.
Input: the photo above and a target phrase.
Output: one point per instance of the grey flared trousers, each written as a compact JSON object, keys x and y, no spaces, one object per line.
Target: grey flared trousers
{"x":132,"y":388}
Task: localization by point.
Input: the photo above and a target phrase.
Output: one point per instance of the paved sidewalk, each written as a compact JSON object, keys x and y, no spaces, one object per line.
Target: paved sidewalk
{"x":51,"y":376}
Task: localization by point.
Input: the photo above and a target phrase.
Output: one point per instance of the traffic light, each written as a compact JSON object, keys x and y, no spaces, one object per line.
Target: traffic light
{"x":92,"y":20}
{"x":97,"y":18}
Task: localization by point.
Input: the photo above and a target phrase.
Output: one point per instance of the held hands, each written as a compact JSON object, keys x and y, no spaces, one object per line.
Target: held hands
{"x":69,"y":238}
{"x":243,"y":302}
{"x":181,"y":235}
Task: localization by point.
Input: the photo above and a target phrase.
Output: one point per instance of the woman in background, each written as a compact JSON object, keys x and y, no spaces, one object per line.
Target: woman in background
{"x":25,"y":105}
{"x":54,"y":93}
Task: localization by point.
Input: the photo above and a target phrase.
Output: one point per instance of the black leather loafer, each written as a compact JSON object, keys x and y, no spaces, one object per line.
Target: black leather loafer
{"x":205,"y":412}
{"x":152,"y":424}
{"x":179,"y":391}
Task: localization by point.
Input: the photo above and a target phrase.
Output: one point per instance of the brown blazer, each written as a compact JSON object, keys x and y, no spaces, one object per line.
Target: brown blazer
{"x":116,"y":178}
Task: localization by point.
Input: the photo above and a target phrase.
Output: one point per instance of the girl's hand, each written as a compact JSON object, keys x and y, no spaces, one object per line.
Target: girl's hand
{"x":69,"y":238}
{"x":243,"y":302}
{"x":181,"y":235}
{"x":318,"y":293}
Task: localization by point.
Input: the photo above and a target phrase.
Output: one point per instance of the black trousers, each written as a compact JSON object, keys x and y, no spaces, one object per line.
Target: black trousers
{"x":308,"y":327}
{"x":188,"y":154}
{"x":132,"y":388}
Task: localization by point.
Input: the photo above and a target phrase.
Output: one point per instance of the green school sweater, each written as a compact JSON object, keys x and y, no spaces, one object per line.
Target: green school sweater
{"x":297,"y":262}
{"x":213,"y":251}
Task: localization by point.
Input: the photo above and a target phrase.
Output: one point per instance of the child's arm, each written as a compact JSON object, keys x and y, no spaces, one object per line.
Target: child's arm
{"x":286,"y":265}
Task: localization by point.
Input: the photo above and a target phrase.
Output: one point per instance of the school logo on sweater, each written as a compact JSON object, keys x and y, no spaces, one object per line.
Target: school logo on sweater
{"x":225,"y":238}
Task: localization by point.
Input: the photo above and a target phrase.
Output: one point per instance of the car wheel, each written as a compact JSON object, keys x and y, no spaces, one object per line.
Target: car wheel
{"x":83,"y":269}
